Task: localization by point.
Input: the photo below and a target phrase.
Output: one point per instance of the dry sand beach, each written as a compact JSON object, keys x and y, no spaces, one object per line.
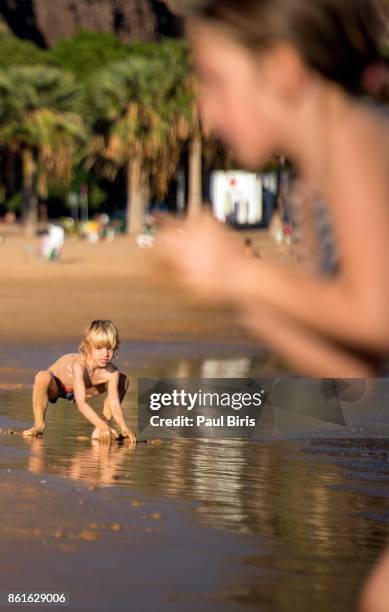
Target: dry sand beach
{"x":45,"y":302}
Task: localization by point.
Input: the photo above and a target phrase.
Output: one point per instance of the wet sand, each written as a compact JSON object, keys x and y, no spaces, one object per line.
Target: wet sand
{"x":188,"y":524}
{"x":105,"y":550}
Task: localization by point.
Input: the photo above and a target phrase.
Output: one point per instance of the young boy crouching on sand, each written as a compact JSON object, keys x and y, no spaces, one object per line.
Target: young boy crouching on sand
{"x":78,"y":376}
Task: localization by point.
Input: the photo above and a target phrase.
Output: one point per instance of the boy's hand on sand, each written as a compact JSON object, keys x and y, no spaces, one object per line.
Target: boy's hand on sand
{"x":129,"y":435}
{"x":105,"y":434}
{"x":34,"y":431}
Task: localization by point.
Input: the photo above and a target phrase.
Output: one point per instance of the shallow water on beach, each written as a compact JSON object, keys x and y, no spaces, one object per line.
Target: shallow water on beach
{"x":311,"y":516}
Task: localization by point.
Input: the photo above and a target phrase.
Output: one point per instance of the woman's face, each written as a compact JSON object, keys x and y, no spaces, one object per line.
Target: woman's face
{"x":238,"y":98}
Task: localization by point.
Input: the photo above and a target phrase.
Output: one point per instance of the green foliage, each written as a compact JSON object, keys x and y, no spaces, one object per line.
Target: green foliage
{"x":34,"y":88}
{"x":14,"y":203}
{"x":38,"y":120}
{"x":16,"y":52}
{"x":136,"y":113}
{"x":88,"y":52}
{"x":166,"y":49}
{"x":91,"y":104}
{"x":37,"y":105}
{"x":97,"y":196}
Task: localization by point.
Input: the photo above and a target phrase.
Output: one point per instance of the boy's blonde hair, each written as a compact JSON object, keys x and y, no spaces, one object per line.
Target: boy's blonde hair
{"x":100,"y":334}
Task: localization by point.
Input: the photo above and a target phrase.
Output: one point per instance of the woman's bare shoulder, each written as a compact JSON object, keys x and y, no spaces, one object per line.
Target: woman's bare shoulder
{"x":365,"y":134}
{"x":358,"y":156}
{"x":357,"y":192}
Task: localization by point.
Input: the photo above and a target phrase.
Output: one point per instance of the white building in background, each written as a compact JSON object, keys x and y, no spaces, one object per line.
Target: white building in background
{"x":238,"y":197}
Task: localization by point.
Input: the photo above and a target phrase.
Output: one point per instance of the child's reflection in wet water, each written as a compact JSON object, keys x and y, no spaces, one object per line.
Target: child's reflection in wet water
{"x":99,"y":464}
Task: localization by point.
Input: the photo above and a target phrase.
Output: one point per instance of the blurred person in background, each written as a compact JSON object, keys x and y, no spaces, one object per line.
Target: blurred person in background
{"x":52,"y":243}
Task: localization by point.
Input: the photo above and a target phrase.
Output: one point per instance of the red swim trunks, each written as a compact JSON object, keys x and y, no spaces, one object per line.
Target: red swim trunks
{"x":64,"y":392}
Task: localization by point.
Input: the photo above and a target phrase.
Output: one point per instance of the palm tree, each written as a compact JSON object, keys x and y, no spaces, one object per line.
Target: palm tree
{"x":135,"y":104}
{"x":38,"y":120}
{"x":188,"y":126}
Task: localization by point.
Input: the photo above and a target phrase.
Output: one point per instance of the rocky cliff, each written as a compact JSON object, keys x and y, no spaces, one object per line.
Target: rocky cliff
{"x":46,"y":22}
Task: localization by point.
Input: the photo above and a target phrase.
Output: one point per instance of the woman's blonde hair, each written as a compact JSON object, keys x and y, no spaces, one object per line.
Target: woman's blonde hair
{"x":100,"y":334}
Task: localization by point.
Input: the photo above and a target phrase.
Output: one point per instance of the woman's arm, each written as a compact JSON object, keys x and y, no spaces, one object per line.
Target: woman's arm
{"x":354,"y":306}
{"x":333,"y":308}
{"x":349,"y":309}
{"x":306,"y":351}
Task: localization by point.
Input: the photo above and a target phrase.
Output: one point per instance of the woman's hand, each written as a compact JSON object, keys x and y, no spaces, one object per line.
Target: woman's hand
{"x":206,"y":255}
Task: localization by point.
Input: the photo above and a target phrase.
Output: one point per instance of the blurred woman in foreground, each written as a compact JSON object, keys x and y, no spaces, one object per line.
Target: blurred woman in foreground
{"x":293,"y":77}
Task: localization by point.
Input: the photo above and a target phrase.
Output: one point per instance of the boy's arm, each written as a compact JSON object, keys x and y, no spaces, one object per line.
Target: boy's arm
{"x":80,"y":397}
{"x":114,"y":403}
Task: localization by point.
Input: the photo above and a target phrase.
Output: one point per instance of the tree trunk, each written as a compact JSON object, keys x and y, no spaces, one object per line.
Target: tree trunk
{"x":195,"y":196}
{"x":138,"y":193}
{"x":30,"y":200}
{"x":10,"y":169}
